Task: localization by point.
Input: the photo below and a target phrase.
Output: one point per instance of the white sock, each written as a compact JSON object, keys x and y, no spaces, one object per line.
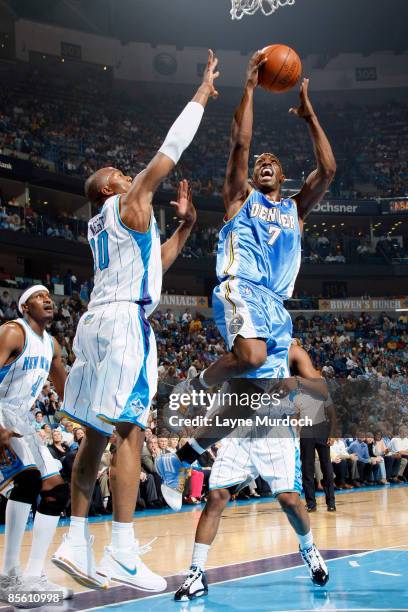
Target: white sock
{"x":78,"y":530}
{"x":194,"y":444}
{"x":123,"y":535}
{"x":43,"y":534}
{"x":305,"y":541}
{"x":16,"y":521}
{"x":200,"y":554}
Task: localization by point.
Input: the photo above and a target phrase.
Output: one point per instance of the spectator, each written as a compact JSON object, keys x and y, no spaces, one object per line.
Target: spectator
{"x":58,"y":448}
{"x":367,"y":468}
{"x":343,"y":464}
{"x":400,"y":445}
{"x":39,"y":420}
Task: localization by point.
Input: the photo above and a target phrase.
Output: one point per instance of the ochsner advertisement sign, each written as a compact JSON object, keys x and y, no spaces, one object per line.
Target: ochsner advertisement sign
{"x":344,"y":207}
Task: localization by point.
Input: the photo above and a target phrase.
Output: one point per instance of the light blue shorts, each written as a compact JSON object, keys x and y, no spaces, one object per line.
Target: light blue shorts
{"x":244,"y":309}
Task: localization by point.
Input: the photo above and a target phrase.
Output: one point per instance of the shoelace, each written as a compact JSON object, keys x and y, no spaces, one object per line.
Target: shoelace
{"x":191,"y":575}
{"x":312,"y":558}
{"x":142,"y":550}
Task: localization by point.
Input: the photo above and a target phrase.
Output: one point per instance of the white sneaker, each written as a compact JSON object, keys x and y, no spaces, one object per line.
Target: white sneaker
{"x":78,"y":561}
{"x":317,"y":567}
{"x":9,"y":585}
{"x":42,"y":583}
{"x":174,"y":475}
{"x":127,"y":567}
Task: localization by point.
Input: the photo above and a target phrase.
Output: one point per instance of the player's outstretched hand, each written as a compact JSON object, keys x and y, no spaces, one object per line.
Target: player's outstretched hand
{"x":257,"y":60}
{"x":184,"y":207}
{"x":6,"y":452}
{"x":210,"y":73}
{"x":305,"y":108}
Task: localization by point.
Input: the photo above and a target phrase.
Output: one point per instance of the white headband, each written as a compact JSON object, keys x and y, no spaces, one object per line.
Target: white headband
{"x":28,"y":293}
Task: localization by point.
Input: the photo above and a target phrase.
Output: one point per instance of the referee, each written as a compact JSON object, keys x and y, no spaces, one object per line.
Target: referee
{"x":317,"y":437}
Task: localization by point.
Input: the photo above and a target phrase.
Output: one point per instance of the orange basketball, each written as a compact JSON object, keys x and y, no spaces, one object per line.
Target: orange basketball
{"x":282,"y":69}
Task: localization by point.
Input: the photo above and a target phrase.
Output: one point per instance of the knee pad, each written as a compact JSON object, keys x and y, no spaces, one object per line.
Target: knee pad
{"x":27,"y":486}
{"x":54,"y":501}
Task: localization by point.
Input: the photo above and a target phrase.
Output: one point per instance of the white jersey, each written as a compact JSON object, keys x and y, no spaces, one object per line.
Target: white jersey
{"x":128,"y":265}
{"x":22,"y":380}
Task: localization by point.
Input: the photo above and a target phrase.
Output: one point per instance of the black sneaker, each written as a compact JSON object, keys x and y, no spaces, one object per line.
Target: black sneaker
{"x":195,"y":585}
{"x":317,"y":567}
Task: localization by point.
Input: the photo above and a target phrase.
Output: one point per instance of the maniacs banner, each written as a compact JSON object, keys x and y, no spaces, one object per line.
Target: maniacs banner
{"x":363,"y":304}
{"x":184,"y":301}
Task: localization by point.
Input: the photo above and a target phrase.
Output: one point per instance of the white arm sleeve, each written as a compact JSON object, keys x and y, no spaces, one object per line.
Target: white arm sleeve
{"x":182,"y":131}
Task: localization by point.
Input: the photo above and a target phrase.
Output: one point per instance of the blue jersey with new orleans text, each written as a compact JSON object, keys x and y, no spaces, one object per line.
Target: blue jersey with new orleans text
{"x":262,"y":244}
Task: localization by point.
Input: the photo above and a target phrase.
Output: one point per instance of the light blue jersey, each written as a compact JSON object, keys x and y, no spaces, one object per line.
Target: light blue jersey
{"x":262,"y":244}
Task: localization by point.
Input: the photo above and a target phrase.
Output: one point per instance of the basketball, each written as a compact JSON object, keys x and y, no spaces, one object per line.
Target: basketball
{"x":282,"y":69}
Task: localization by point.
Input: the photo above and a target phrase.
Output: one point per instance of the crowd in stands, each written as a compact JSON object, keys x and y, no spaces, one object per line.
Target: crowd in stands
{"x":77,"y":127}
{"x":17,"y":216}
{"x":351,"y":245}
{"x":363,"y":357}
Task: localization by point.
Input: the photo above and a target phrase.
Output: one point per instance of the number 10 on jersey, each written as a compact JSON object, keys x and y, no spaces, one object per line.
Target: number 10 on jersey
{"x":100,"y":250}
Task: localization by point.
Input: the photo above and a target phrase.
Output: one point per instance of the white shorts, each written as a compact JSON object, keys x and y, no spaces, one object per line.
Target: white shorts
{"x":277,"y":460}
{"x":31,"y":454}
{"x":114,"y":377}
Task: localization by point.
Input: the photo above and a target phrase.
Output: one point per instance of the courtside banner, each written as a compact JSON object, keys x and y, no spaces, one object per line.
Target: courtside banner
{"x":187,"y":301}
{"x":359,"y":304}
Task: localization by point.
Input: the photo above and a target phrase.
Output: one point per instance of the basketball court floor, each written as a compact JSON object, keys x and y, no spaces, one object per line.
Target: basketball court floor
{"x":254,"y":564}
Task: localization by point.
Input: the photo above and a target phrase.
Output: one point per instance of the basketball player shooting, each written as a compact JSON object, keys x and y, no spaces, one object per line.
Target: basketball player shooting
{"x":258,"y":260}
{"x":28,"y":355}
{"x":240,"y":460}
{"x":114,"y":378}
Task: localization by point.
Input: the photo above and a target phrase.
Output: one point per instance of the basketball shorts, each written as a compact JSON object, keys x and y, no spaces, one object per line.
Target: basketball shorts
{"x":114,"y":377}
{"x":244,"y":309}
{"x":276,"y":459}
{"x":31,"y":453}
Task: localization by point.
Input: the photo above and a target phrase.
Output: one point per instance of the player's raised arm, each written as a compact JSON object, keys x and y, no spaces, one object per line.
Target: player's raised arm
{"x":319,"y":180}
{"x":236,"y":186}
{"x":58,"y":374}
{"x":176,"y":142}
{"x":185,"y":211}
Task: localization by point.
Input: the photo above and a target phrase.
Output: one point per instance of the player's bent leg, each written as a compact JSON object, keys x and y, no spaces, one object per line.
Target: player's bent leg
{"x":196,"y":583}
{"x":75,"y":554}
{"x":299,"y":519}
{"x":27,"y":485}
{"x":173,"y":468}
{"x":121,"y":560}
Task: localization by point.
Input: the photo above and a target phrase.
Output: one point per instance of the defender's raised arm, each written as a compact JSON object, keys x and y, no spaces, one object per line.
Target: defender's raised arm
{"x":179,"y":137}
